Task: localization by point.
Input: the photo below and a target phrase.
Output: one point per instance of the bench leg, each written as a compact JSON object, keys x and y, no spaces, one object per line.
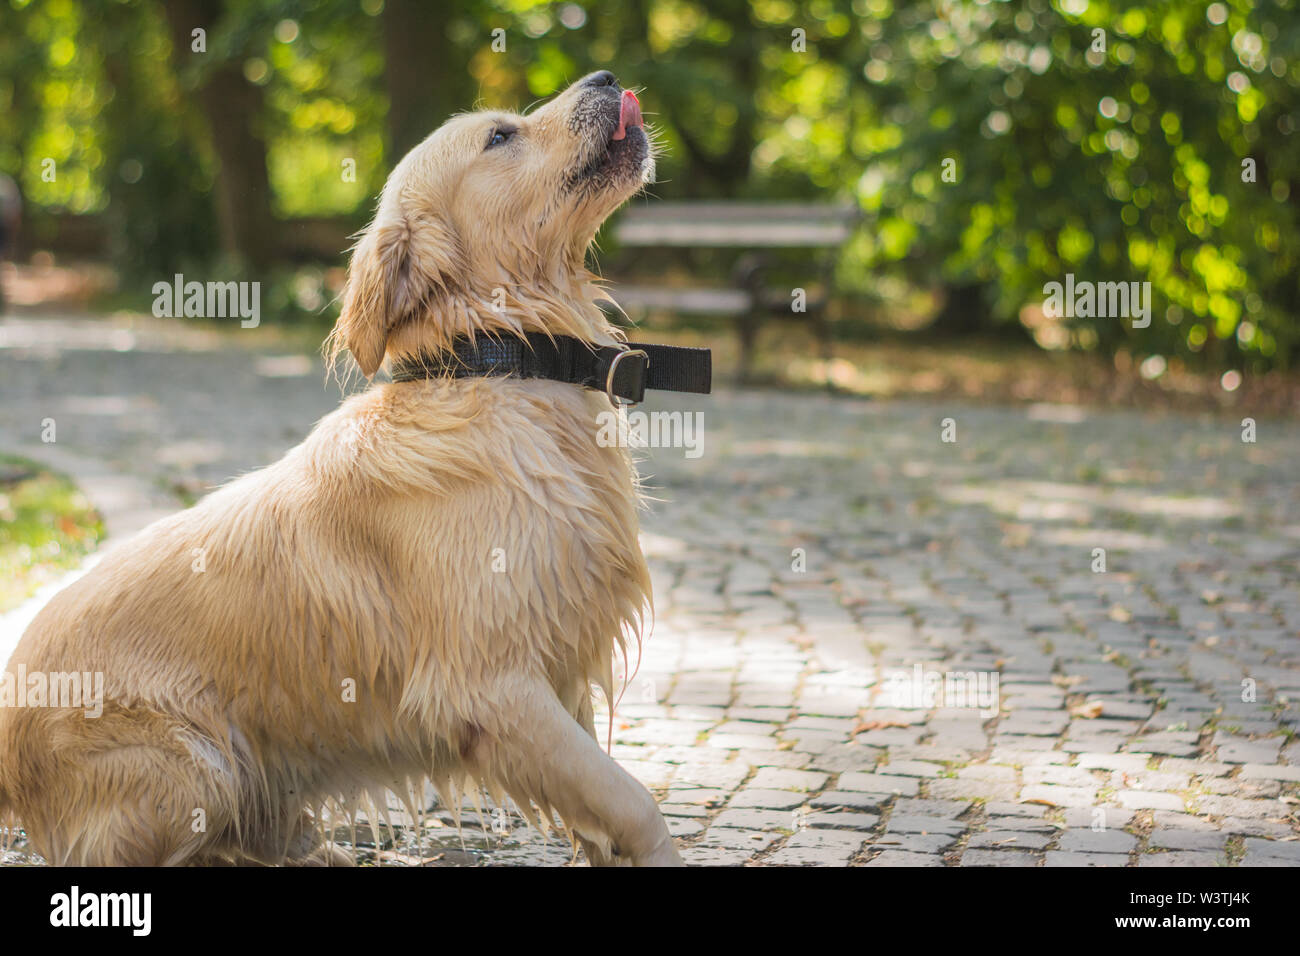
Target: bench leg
{"x":822,"y":330}
{"x":747,"y":329}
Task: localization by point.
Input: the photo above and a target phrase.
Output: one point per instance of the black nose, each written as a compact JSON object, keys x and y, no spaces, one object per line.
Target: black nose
{"x":598,"y":79}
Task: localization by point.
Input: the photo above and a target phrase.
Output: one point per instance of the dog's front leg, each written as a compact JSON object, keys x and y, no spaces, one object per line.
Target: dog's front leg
{"x":597,"y":851}
{"x":547,"y":755}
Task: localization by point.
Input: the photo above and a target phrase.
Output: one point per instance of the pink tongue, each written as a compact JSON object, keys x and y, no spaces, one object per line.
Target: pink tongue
{"x":629,"y":113}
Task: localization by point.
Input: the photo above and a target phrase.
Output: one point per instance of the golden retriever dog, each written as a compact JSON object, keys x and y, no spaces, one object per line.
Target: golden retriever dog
{"x":425,"y":590}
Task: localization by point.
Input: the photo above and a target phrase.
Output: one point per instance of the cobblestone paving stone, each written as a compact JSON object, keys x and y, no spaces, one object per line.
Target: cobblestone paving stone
{"x":823,"y":558}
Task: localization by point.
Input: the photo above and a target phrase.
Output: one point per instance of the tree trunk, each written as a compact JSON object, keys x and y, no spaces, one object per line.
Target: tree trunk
{"x":233,"y":108}
{"x":725,"y":173}
{"x":424,"y":88}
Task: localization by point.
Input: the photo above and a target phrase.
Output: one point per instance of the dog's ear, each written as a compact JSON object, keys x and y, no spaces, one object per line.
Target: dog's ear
{"x":396,"y":269}
{"x":374,"y":275}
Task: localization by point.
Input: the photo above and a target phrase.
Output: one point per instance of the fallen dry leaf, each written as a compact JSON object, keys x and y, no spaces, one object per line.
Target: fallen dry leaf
{"x":863,"y":726}
{"x":1088,"y":710}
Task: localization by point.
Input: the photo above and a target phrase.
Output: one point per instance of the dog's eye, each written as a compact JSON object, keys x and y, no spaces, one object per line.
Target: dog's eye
{"x":499,"y":136}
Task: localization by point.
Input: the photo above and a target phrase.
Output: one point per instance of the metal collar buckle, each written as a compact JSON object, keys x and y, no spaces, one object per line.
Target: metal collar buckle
{"x":613,"y":369}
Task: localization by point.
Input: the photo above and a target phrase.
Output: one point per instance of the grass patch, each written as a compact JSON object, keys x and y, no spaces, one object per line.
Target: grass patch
{"x":46,"y":526}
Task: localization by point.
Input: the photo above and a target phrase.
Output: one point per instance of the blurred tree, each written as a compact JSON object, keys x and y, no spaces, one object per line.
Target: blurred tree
{"x":424,"y":85}
{"x":1101,"y":139}
{"x":20,"y":58}
{"x":325,"y":102}
{"x":994,"y":147}
{"x":706,"y":78}
{"x":53,"y":145}
{"x":157,"y":174}
{"x":222,"y":75}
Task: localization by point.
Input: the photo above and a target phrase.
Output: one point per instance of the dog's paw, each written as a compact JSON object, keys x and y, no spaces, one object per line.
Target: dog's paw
{"x":326,"y":855}
{"x":665,"y":854}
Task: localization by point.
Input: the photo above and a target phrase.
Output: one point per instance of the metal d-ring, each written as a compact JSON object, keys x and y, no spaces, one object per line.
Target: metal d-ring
{"x":613,"y":368}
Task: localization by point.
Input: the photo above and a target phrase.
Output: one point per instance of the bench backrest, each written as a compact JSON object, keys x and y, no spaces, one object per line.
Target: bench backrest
{"x":737,"y":224}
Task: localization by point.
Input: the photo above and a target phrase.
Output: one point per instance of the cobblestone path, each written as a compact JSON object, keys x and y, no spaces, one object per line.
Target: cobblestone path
{"x":1064,"y":638}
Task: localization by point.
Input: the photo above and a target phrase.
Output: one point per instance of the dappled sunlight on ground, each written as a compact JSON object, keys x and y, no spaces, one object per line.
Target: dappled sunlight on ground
{"x":1058,"y":501}
{"x":822,"y":549}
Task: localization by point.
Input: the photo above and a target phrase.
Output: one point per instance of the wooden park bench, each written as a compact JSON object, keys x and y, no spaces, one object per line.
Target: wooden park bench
{"x":758,"y":228}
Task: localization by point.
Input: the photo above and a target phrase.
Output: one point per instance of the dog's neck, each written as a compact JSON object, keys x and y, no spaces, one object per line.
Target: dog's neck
{"x":567,"y":308}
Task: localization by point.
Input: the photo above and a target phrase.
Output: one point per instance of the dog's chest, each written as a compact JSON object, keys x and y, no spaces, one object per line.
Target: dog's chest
{"x":538,"y":565}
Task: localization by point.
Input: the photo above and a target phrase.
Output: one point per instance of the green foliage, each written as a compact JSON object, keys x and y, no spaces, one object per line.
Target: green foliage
{"x":52,"y":87}
{"x":1117,"y":164}
{"x":323,"y":75}
{"x":46,"y":525}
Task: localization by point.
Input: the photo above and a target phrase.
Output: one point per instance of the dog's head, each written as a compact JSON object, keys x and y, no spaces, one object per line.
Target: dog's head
{"x":484,"y":226}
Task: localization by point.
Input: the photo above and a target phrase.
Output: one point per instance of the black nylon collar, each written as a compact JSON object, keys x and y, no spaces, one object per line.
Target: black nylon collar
{"x":623,"y":372}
